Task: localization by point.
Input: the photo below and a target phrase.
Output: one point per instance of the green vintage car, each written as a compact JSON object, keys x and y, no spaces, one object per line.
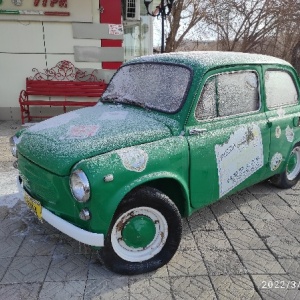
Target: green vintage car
{"x":171,"y":134}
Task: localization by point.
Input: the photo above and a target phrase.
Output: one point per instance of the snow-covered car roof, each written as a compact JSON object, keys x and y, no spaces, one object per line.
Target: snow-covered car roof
{"x":211,"y":59}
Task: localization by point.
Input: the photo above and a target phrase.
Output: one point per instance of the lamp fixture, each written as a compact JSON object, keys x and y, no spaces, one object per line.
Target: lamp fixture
{"x":163,"y":10}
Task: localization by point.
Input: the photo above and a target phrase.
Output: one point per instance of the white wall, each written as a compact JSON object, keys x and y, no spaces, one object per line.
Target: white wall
{"x":25,"y":45}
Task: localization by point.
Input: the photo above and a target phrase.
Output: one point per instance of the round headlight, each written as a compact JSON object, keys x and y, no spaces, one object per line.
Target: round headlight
{"x":80,"y":186}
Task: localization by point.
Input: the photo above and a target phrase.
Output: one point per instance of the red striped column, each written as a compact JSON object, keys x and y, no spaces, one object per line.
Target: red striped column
{"x":111,"y":14}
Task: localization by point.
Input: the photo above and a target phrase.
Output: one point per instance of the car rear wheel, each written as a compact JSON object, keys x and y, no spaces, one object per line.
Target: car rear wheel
{"x":291,"y":174}
{"x":144,"y":234}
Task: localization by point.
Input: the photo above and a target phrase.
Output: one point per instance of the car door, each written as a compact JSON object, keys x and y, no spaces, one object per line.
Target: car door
{"x":282,"y":101}
{"x":228,"y":134}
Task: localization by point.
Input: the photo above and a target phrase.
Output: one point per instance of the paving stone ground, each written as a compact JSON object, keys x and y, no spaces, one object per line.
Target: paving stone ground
{"x":246,"y":246}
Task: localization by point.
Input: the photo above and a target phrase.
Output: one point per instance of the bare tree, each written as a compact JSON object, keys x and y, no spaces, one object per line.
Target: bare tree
{"x":186,"y":14}
{"x":295,"y":60}
{"x":261,"y":26}
{"x":245,"y":25}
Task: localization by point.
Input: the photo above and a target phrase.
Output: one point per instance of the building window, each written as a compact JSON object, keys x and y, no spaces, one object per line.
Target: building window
{"x":138,"y":35}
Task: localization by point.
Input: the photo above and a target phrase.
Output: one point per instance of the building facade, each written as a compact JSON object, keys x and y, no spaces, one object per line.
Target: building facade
{"x":92,"y":35}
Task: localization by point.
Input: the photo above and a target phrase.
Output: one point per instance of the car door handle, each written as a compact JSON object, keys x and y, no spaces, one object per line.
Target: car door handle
{"x":196,"y":131}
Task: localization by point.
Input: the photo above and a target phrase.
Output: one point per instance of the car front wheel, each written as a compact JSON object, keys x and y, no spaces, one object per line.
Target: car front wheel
{"x":290,"y":176}
{"x":144,"y":234}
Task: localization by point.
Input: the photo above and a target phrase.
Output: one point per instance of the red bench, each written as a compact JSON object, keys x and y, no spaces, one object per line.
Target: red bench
{"x":63,"y":81}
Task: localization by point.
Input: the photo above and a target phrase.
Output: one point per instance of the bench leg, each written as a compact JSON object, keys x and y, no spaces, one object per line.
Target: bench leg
{"x":25,"y":113}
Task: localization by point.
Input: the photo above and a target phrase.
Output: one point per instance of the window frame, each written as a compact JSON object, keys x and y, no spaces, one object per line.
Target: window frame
{"x":217,"y":98}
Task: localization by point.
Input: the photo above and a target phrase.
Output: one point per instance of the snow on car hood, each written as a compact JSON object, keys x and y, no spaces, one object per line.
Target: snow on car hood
{"x":60,"y":142}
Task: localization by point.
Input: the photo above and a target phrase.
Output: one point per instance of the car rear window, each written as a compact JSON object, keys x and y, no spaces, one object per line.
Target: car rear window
{"x":280,"y":89}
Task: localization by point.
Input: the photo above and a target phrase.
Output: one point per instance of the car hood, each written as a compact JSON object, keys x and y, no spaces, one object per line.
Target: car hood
{"x":57,"y":144}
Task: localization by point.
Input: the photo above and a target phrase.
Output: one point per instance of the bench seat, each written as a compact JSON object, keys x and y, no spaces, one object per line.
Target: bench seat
{"x":58,"y":89}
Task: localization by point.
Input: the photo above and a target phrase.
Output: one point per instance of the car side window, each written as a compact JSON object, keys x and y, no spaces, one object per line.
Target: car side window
{"x":228,"y":94}
{"x":237,"y":93}
{"x":280,"y":89}
{"x":206,"y":108}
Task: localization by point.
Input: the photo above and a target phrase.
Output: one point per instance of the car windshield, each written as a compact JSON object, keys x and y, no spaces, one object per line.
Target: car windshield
{"x":154,"y":86}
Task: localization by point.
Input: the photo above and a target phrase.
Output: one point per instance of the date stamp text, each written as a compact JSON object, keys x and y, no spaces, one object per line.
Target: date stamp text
{"x":280,"y":284}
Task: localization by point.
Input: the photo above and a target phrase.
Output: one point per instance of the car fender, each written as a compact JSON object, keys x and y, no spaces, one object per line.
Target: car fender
{"x":113,"y":175}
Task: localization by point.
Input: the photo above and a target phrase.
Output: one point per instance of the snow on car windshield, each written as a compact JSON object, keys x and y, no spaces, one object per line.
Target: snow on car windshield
{"x":155,"y":86}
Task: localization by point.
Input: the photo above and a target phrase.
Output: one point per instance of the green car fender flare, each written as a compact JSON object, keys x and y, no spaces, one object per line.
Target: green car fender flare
{"x":106,"y":212}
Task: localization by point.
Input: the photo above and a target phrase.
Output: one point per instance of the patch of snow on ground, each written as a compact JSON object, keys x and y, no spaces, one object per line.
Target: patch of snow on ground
{"x":9,"y":194}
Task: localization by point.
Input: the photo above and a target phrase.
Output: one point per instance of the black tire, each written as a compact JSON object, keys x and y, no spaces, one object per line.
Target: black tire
{"x":291,"y":174}
{"x":142,"y":206}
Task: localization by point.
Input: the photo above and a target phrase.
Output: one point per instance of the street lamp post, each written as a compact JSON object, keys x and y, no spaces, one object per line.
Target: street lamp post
{"x":163,"y":10}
